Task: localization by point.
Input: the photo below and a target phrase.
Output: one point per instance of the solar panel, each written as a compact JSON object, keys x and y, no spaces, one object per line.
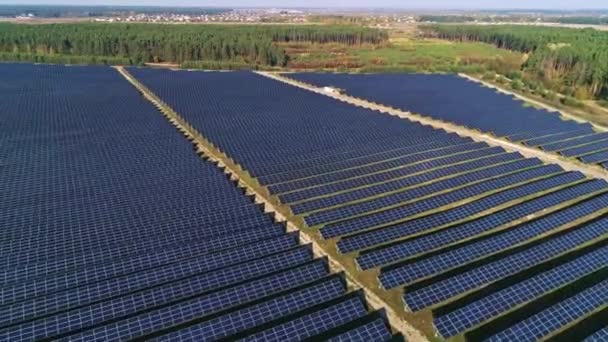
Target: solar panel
{"x":575,"y":142}
{"x":359,"y":158}
{"x":94,"y":312}
{"x":215,"y":327}
{"x":422,"y":224}
{"x":350,"y":190}
{"x":558,"y":315}
{"x":409,"y":195}
{"x":314,"y":323}
{"x":585,"y":149}
{"x":595,"y":158}
{"x":553,"y":138}
{"x":445,"y":289}
{"x":598,"y":336}
{"x":375,"y":330}
{"x":444,"y":97}
{"x":470,"y":229}
{"x":366,"y":180}
{"x":492,"y":305}
{"x":387,"y":165}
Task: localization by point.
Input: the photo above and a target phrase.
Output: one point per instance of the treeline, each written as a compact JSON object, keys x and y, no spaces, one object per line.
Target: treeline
{"x":579,"y":20}
{"x":445,"y":18}
{"x":573,"y":60}
{"x":61,"y":59}
{"x":157,"y":43}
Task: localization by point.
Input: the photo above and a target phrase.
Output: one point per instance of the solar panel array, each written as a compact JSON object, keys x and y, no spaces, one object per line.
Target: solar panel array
{"x":448,"y":98}
{"x":448,"y":221}
{"x":113,"y":228}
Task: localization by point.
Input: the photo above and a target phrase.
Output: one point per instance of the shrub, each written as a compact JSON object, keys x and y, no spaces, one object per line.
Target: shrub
{"x":572,"y":102}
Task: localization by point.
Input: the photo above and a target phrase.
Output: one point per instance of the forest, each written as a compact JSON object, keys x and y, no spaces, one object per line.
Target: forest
{"x":572,"y":61}
{"x":136,"y":44}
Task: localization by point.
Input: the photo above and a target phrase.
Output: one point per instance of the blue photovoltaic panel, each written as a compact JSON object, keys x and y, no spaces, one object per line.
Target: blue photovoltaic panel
{"x":409,"y":195}
{"x":520,"y":137}
{"x":492,"y":305}
{"x":373,"y":331}
{"x":372,"y":168}
{"x":152,"y":276}
{"x":404,"y":181}
{"x":348,"y":184}
{"x":159,"y":259}
{"x":225,"y":297}
{"x":445,"y":97}
{"x":598,"y":336}
{"x":313,"y":324}
{"x":448,"y":288}
{"x":458,"y":256}
{"x":222,"y":326}
{"x":479,"y":226}
{"x":311,"y":168}
{"x":392,"y":214}
{"x":553,"y":138}
{"x":557,"y":316}
{"x":595,"y":158}
{"x":570,"y":143}
{"x":415,"y":226}
{"x":586,"y":149}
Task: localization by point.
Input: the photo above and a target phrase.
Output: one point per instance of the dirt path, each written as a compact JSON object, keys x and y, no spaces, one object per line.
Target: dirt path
{"x":568,"y":164}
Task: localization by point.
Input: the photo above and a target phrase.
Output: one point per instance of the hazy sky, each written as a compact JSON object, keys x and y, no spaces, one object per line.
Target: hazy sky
{"x":452,"y":4}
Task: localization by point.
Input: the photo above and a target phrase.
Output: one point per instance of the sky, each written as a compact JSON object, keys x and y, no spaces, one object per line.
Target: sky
{"x":435,"y":4}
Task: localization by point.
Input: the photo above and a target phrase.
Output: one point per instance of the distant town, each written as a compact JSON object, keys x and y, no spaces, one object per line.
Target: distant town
{"x":367,"y":17}
{"x":236,"y":16}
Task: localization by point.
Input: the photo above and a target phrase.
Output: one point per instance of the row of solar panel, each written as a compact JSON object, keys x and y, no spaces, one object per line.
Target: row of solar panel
{"x":115,"y":229}
{"x":400,"y":209}
{"x":445,"y":97}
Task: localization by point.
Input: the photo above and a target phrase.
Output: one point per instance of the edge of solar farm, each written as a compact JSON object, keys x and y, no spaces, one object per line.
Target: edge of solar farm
{"x":531,"y":101}
{"x":347,"y":263}
{"x":569,"y":163}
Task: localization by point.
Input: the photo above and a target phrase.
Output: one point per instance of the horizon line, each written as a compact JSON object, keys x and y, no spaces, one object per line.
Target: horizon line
{"x":325,"y":7}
